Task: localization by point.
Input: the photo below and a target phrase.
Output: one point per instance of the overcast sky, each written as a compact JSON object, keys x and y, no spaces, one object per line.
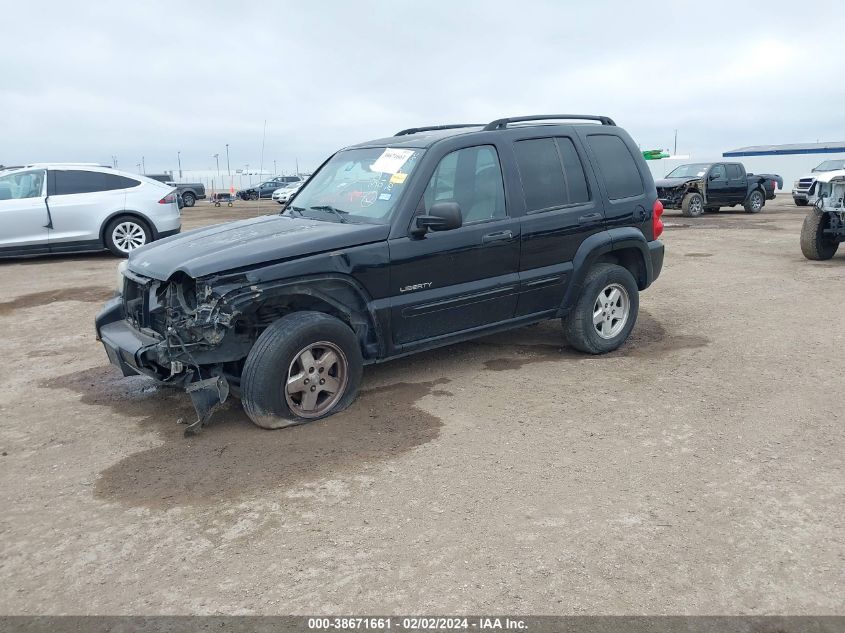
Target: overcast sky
{"x":85,"y":81}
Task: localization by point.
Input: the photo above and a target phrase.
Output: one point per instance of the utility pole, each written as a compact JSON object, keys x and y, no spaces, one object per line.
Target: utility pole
{"x":676,"y":143}
{"x":179,"y":160}
{"x":228,"y":169}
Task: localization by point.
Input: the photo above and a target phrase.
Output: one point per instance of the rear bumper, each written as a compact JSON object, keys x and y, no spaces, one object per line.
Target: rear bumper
{"x":656,"y":251}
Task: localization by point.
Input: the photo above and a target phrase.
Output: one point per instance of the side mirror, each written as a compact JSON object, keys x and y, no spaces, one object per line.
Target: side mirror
{"x":443,"y":216}
{"x":713,"y":176}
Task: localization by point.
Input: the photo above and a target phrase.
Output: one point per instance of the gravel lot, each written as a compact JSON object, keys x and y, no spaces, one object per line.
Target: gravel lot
{"x":698,"y":470}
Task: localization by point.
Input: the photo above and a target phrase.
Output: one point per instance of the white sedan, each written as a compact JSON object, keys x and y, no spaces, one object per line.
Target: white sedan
{"x":283,"y":194}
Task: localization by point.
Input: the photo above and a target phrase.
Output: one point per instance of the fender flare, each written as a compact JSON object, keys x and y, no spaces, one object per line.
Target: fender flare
{"x":598,"y":244}
{"x":343,"y":293}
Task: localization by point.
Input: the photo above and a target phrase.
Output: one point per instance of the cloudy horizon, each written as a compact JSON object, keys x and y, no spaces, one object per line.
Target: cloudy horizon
{"x":128,"y":81}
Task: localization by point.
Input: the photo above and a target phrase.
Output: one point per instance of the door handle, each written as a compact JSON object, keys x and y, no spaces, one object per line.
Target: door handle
{"x":590,"y":217}
{"x":496,"y":237}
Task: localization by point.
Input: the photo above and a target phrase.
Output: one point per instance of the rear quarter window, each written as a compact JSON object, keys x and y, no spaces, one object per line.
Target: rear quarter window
{"x":617,"y":166}
{"x":72,"y":181}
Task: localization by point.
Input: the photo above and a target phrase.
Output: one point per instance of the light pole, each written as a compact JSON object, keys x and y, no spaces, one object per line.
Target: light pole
{"x":179,"y":160}
{"x":217,"y":158}
{"x":139,"y":167}
{"x":228,"y":169}
{"x":143,"y":166}
{"x":275,"y":171}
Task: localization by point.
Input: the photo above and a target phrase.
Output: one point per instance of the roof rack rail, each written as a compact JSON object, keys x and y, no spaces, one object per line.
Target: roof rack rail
{"x":501,"y":124}
{"x":429,"y":128}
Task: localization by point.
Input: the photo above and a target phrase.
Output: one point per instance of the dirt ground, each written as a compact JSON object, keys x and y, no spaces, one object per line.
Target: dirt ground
{"x":698,"y":470}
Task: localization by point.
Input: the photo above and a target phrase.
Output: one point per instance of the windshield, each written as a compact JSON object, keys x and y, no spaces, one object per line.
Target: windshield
{"x":693,"y":170}
{"x":357,"y":185}
{"x":830,"y":165}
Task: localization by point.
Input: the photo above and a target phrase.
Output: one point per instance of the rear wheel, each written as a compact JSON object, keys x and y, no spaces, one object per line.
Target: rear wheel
{"x":800,"y":202}
{"x":305,"y":366}
{"x":126,"y":233}
{"x":189,"y":199}
{"x":692,"y":205}
{"x":814,"y":243}
{"x":605,"y":312}
{"x":755,"y":201}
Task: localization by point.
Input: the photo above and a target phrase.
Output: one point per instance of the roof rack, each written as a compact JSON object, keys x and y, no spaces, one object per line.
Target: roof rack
{"x":429,"y":128}
{"x":501,"y":124}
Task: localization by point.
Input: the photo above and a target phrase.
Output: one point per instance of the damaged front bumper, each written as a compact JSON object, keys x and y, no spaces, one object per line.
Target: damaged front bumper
{"x":140,"y":352}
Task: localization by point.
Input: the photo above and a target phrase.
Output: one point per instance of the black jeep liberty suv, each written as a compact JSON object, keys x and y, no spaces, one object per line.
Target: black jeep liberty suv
{"x":429,"y":237}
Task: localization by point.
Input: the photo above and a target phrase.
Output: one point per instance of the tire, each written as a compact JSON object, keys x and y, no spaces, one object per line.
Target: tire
{"x":126,"y":233}
{"x":814,"y":244}
{"x":712,"y":209}
{"x":755,"y":202}
{"x":276,"y":356}
{"x":189,"y":199}
{"x":692,"y":205}
{"x":799,"y":202}
{"x":581,"y":329}
{"x":253,"y":196}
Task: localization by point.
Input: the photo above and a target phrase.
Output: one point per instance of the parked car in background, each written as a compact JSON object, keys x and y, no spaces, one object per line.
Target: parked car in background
{"x":262,"y":190}
{"x":803,"y":192}
{"x":62,"y":208}
{"x":395,"y":246}
{"x":698,"y":187}
{"x":284,"y":180}
{"x":283,"y":194}
{"x":190,"y":191}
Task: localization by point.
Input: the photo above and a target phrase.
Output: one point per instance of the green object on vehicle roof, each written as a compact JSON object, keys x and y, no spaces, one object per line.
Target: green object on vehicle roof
{"x":655,"y":154}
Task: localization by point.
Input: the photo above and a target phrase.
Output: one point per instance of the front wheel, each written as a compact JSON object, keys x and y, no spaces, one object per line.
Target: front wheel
{"x":814,"y":243}
{"x":305,"y":366}
{"x":692,"y":205}
{"x":800,"y":202}
{"x":124,"y":234}
{"x":755,"y":201}
{"x":605,"y":312}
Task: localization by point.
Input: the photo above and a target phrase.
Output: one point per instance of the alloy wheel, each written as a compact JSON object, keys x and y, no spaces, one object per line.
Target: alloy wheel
{"x":316,"y":379}
{"x":611,"y":310}
{"x":127,"y":236}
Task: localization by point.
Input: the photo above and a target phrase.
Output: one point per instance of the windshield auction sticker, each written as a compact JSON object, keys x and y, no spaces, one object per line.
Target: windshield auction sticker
{"x":391,"y":160}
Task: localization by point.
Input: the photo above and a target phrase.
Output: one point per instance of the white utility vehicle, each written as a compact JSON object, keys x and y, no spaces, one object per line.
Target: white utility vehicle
{"x":824,"y":226}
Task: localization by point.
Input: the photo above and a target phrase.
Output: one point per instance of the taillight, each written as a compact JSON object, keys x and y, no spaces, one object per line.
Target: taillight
{"x":170,"y":198}
{"x":656,"y":222}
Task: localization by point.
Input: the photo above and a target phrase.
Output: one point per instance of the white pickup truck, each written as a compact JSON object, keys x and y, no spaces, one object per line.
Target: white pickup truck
{"x":803,"y":191}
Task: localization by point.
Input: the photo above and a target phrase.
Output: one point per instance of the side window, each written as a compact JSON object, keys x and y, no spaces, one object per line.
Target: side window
{"x":617,"y":166}
{"x":472,"y":177}
{"x":541,"y":174}
{"x":76,"y":181}
{"x":576,"y":181}
{"x":734,"y":172}
{"x":29,"y":184}
{"x":718,"y":172}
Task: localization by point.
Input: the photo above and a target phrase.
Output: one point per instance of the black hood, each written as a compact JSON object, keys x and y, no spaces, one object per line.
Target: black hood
{"x":269,"y":238}
{"x":669,"y":183}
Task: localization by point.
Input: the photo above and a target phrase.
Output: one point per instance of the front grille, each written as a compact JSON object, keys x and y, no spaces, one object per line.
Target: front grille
{"x":805,"y":183}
